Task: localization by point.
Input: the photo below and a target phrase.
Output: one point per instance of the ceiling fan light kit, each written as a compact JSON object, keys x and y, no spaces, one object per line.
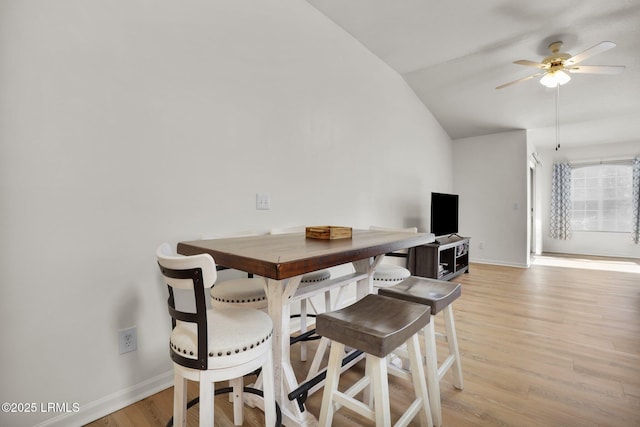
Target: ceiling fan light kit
{"x":555,"y":78}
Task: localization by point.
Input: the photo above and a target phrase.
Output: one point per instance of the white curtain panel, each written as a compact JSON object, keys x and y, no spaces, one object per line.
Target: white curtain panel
{"x":635,"y":220}
{"x":560,"y":223}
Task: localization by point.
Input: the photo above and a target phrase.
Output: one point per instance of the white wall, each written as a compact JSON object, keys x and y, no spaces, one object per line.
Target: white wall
{"x":490,"y":175}
{"x":127,"y":123}
{"x":584,"y":243}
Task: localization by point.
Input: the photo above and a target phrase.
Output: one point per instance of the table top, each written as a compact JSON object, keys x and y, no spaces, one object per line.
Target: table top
{"x":281,"y":256}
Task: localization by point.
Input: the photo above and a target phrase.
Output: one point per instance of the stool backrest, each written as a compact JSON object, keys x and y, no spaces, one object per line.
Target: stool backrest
{"x":407,"y":230}
{"x":196,"y":273}
{"x":380,"y":228}
{"x":287,"y":230}
{"x":243,"y":233}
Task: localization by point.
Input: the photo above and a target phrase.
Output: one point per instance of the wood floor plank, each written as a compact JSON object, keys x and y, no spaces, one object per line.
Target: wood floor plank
{"x":543,"y":346}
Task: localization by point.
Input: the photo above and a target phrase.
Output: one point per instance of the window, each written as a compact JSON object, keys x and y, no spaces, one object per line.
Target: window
{"x":601,"y":198}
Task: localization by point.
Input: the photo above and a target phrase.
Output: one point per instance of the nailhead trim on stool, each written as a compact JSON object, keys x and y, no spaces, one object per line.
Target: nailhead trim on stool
{"x":388,"y":274}
{"x":213,"y":345}
{"x":316,"y":276}
{"x":240,"y":291}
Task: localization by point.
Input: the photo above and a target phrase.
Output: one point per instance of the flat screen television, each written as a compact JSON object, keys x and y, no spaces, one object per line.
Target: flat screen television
{"x":444,"y":214}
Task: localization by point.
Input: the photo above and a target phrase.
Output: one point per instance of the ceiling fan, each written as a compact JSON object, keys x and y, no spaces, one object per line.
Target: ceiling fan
{"x":555,"y":66}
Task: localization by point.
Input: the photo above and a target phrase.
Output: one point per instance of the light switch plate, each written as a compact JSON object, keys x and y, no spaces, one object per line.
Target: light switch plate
{"x":263,"y":202}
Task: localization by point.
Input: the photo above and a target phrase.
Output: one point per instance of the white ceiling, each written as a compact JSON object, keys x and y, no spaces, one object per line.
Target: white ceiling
{"x":454,"y":53}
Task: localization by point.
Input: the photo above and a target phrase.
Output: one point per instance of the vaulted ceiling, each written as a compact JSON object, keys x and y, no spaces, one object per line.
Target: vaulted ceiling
{"x":454,"y":54}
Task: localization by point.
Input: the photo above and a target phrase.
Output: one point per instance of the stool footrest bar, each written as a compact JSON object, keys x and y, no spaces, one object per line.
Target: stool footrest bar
{"x":300,"y":394}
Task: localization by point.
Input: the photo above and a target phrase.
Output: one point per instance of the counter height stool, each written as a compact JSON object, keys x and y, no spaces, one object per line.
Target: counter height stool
{"x":439,"y":296}
{"x":390,"y":274}
{"x":212,"y":345}
{"x":375,"y":325}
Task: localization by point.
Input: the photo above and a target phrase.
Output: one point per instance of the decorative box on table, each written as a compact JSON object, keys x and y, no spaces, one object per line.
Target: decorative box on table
{"x":328,"y":232}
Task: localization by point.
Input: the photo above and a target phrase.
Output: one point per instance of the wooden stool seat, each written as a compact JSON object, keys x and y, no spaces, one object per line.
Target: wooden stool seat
{"x":375,"y":325}
{"x":437,"y":294}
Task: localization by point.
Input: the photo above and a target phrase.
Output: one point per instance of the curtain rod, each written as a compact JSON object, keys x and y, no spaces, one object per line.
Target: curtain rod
{"x":624,"y":161}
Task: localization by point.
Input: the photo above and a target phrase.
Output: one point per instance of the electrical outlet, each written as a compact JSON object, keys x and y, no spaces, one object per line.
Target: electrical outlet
{"x":128,"y":340}
{"x":263,"y":202}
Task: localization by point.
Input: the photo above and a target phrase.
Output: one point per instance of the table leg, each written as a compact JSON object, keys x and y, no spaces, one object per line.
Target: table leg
{"x":279,"y":293}
{"x":364,"y":287}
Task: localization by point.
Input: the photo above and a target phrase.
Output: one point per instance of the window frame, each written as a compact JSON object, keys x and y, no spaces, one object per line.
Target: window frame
{"x":591,"y":192}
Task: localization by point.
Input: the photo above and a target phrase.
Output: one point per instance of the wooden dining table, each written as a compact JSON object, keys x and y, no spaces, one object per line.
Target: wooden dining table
{"x":282,"y":259}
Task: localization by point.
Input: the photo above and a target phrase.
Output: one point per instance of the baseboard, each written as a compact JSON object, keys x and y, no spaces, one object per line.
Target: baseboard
{"x":99,"y":408}
{"x":494,"y":262}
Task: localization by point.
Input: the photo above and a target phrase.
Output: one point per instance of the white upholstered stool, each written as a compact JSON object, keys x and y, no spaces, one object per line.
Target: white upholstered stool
{"x":439,"y":295}
{"x":243,"y":292}
{"x":375,"y":325}
{"x":212,"y":345}
{"x":390,"y":274}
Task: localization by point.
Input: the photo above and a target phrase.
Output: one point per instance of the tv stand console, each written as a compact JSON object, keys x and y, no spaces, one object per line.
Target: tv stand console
{"x":444,"y":259}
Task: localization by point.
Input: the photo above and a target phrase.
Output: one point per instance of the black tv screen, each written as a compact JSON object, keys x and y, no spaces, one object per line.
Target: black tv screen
{"x":444,"y":214}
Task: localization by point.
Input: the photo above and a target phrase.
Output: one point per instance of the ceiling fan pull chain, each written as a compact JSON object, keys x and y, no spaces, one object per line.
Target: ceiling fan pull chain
{"x":557,"y":117}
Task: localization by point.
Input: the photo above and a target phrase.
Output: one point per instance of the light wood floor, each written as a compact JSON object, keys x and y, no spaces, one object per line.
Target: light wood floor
{"x":544,"y":346}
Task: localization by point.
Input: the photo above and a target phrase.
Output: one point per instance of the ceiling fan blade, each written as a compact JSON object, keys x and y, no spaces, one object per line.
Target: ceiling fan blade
{"x":531,"y":64}
{"x":599,"y":48}
{"x":520,"y":80}
{"x":596,"y":69}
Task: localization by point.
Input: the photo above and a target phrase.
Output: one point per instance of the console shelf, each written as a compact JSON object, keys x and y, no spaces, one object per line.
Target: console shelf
{"x":445,"y":259}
